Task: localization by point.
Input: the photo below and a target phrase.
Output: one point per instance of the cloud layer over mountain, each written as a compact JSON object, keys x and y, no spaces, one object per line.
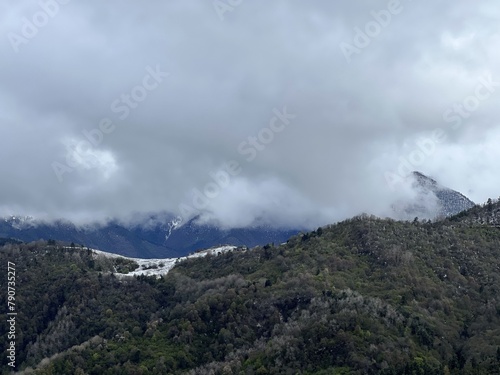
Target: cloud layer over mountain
{"x":250,"y":111}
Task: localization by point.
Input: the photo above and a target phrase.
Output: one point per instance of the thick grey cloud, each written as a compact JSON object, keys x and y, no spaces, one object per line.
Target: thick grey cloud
{"x":356,"y":119}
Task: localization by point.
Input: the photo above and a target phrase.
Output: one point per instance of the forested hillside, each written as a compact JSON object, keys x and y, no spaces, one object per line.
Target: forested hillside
{"x":364,"y":296}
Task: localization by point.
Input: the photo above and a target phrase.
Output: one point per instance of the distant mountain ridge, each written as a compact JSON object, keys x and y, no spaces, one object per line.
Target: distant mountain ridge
{"x":144,"y":239}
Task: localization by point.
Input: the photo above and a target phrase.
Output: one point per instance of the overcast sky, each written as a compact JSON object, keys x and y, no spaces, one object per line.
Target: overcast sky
{"x":109,"y":108}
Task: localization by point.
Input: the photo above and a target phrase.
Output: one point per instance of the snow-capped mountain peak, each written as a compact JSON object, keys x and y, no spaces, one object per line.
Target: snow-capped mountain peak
{"x":432,"y":200}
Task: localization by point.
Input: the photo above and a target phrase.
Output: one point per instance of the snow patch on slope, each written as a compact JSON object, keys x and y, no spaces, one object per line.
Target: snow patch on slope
{"x":159,"y":267}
